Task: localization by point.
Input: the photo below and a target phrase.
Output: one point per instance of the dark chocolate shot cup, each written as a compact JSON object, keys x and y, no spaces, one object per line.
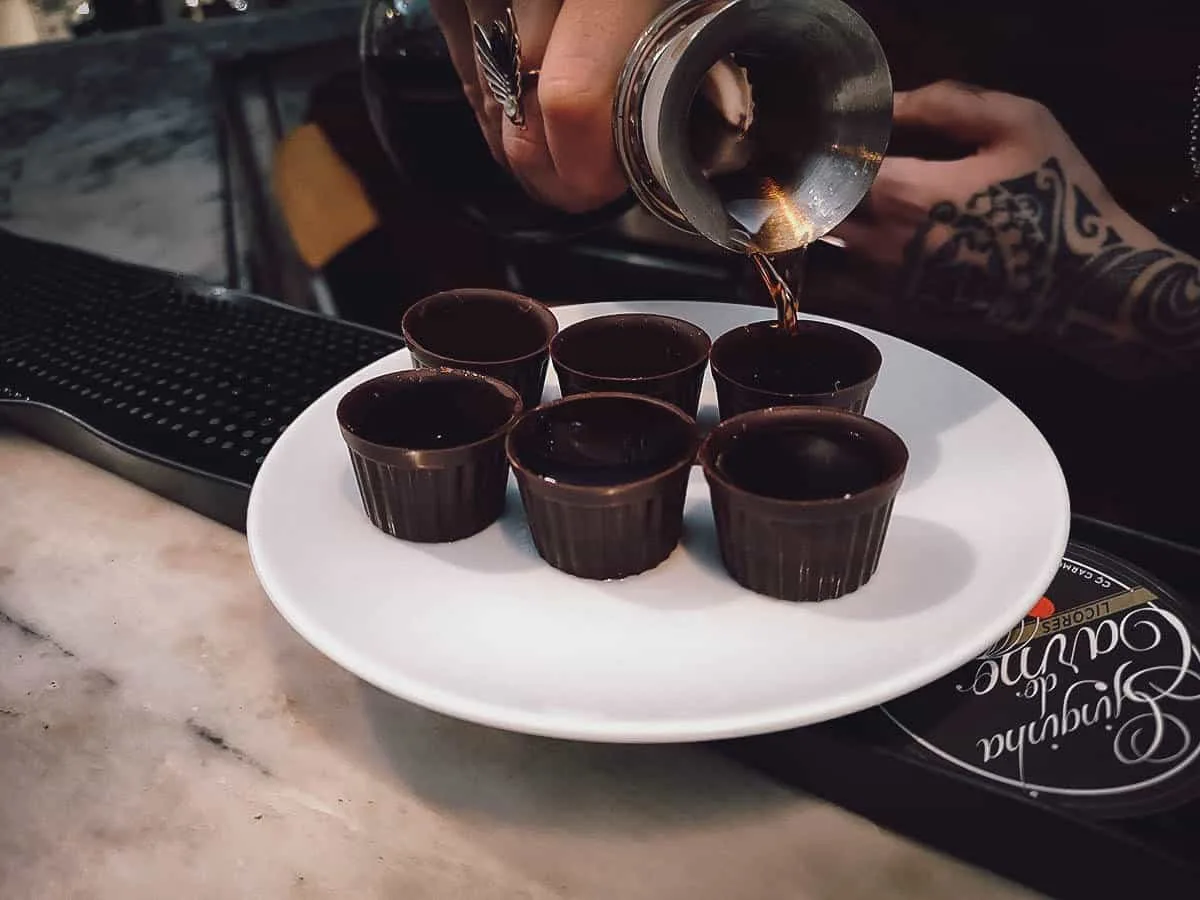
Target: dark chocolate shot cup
{"x":762,"y":365}
{"x":427,"y":446}
{"x":651,"y":355}
{"x":802,"y":498}
{"x":496,"y":333}
{"x":603,"y":479}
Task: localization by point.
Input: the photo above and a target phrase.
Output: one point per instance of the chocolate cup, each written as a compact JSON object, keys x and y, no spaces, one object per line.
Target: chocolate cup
{"x":761,"y":365}
{"x":802,"y":498}
{"x":650,"y":355}
{"x":496,"y":333}
{"x":427,"y":446}
{"x":603,"y":479}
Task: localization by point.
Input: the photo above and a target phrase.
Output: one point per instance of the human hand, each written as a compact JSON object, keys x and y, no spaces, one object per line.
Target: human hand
{"x":1021,"y":234}
{"x":563,"y":155}
{"x":1009,"y":141}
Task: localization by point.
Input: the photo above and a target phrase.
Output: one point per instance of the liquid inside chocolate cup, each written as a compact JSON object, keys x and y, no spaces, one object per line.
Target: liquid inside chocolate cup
{"x":427,"y":450}
{"x":802,"y":498}
{"x":603,"y":478}
{"x":434,"y":411}
{"x":806,"y":461}
{"x":649,"y":355}
{"x":819,"y":364}
{"x":601,"y":440}
{"x":630,"y":347}
{"x":496,"y":333}
{"x":818,"y":359}
{"x":479,"y":326}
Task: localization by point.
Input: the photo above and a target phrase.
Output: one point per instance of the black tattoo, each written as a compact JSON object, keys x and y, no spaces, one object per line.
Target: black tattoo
{"x":1035,"y":256}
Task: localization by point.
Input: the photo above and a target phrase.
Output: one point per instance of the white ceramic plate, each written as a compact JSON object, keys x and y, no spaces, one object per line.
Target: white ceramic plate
{"x":483,"y":630}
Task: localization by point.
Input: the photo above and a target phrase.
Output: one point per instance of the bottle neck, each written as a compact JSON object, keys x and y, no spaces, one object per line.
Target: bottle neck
{"x":759,"y":124}
{"x":638,"y":115}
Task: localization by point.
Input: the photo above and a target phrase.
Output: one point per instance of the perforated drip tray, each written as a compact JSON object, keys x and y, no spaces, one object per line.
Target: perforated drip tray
{"x":172,"y":384}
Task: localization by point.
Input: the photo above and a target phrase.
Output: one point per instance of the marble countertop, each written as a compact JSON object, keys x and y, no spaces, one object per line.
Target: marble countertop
{"x":164,"y":733}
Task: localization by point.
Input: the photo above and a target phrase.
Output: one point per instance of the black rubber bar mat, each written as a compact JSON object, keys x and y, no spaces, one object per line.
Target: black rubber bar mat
{"x":170,"y":383}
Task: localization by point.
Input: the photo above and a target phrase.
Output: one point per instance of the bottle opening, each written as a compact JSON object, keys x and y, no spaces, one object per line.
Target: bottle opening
{"x":762,"y":124}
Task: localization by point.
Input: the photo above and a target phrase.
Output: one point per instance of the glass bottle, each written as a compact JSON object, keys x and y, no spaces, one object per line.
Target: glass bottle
{"x":759,"y":124}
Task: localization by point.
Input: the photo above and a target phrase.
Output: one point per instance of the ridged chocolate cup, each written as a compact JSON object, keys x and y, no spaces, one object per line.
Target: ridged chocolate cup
{"x":603,"y":478}
{"x":802,"y":498}
{"x":650,"y":355}
{"x":761,"y":365}
{"x":495,"y":333}
{"x":427,"y":447}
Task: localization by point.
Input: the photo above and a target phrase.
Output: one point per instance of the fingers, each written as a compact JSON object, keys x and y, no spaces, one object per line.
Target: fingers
{"x":904,"y":184}
{"x":857,"y":236}
{"x":587,"y":50}
{"x":960,"y":111}
{"x":900,"y":201}
{"x":454,"y":20}
{"x":525,"y":146}
{"x":521,"y":148}
{"x":1012,"y":136}
{"x":490,"y":113}
{"x":564,"y":153}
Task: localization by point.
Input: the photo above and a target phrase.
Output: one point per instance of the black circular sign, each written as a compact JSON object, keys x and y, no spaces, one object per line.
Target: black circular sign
{"x":1091,"y":702}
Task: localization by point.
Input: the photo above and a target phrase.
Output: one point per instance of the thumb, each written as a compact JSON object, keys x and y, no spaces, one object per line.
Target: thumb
{"x":956,"y":110}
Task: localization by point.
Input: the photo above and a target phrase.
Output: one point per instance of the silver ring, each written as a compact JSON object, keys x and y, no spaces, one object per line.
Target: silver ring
{"x":498,"y":47}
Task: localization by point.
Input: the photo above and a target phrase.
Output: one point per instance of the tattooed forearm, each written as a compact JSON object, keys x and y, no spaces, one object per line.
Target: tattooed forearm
{"x":1035,"y":256}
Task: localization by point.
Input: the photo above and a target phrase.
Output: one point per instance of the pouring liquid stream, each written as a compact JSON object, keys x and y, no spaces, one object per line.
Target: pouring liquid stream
{"x":783,"y":287}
